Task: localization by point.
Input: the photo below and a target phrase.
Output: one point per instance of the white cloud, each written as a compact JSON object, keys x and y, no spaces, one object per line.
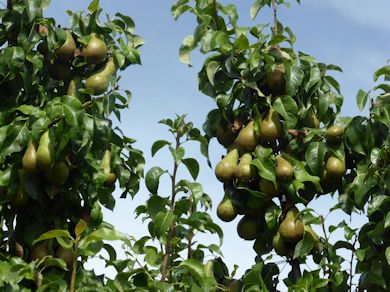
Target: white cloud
{"x":374,"y":13}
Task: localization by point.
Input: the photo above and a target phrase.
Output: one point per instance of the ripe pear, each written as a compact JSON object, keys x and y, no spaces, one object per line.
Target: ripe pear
{"x":226,"y":210}
{"x":267,"y":187}
{"x":291,"y":228}
{"x":45,"y":152}
{"x":275,"y":80}
{"x":335,"y":167}
{"x":245,"y":170}
{"x":99,"y":80}
{"x":96,"y":50}
{"x":29,"y":160}
{"x":58,"y":174}
{"x":247,"y":228}
{"x":247,"y":138}
{"x":334,"y":134}
{"x":39,"y":251}
{"x":284,"y":169}
{"x":66,"y":51}
{"x":106,"y":165}
{"x":225,"y":169}
{"x":270,"y":127}
{"x":280,"y":245}
{"x":67,"y":254}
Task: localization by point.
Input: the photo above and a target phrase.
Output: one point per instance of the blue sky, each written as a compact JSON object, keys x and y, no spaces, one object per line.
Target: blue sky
{"x":353,"y":34}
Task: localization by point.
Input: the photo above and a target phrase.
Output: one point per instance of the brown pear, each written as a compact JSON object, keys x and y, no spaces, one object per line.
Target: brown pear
{"x":66,"y":51}
{"x":284,"y":169}
{"x":226,"y":210}
{"x":29,"y":160}
{"x":247,"y":138}
{"x":275,"y":80}
{"x":96,"y":50}
{"x":247,"y":228}
{"x":291,"y":228}
{"x":67,"y":254}
{"x":267,"y":187}
{"x":245,"y":170}
{"x":270,"y":127}
{"x":334,"y":134}
{"x":335,"y":167}
{"x":225,"y":169}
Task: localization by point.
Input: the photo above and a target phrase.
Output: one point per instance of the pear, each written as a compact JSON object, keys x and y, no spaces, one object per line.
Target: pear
{"x":270,"y":127}
{"x":29,"y":160}
{"x":275,"y":80}
{"x":45,"y":152}
{"x":96,"y":50}
{"x":235,"y":286}
{"x":66,"y":51}
{"x":267,"y":187}
{"x":73,"y":86}
{"x":39,"y":251}
{"x":21,"y":198}
{"x":247,"y":138}
{"x":335,"y":167}
{"x":226,"y":210}
{"x":58,"y":174}
{"x":247,"y":228}
{"x":334,"y":134}
{"x":110,"y":177}
{"x":291,"y":228}
{"x":99,"y":80}
{"x":67,"y":254}
{"x":280,"y":245}
{"x":225,"y":169}
{"x":284,"y":169}
{"x":245,"y":170}
{"x":208,"y":268}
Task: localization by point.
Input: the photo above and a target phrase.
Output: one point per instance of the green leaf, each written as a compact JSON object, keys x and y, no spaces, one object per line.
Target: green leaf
{"x":333,"y":82}
{"x":162,"y":222}
{"x":288,"y":109}
{"x":294,"y":77}
{"x":303,"y":247}
{"x":179,"y":8}
{"x":361,"y":99}
{"x":177,"y":154}
{"x":53,"y":234}
{"x":387,"y":220}
{"x":266,"y":168}
{"x":158,"y":145}
{"x":187,"y":46}
{"x":194,"y":267}
{"x":211,"y":69}
{"x":192,"y":166}
{"x":80,"y":227}
{"x":314,"y":155}
{"x":94,"y":6}
{"x":256,"y":8}
{"x":105,"y":233}
{"x":152,"y":178}
{"x":382,"y":71}
{"x":387,"y":254}
{"x":151,"y":255}
{"x":242,"y":42}
{"x":33,"y":8}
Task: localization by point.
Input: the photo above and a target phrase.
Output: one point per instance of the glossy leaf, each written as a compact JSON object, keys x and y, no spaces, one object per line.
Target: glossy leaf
{"x":152,"y":178}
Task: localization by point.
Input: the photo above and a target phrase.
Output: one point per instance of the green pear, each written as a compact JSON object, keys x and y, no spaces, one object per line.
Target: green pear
{"x":29,"y":161}
{"x":226,"y":210}
{"x":284,"y":169}
{"x":247,"y":138}
{"x":335,"y":167}
{"x":311,"y":119}
{"x":267,"y":187}
{"x":73,"y":86}
{"x":110,"y":177}
{"x":270,"y":127}
{"x":45,"y":152}
{"x":247,"y":228}
{"x":99,"y":80}
{"x":67,"y":254}
{"x":245,"y":170}
{"x":275,"y":80}
{"x":40,"y":251}
{"x":225,"y":169}
{"x":291,"y":228}
{"x":58,"y":174}
{"x":96,"y":50}
{"x":66,"y":51}
{"x":334,"y":134}
{"x":280,"y":245}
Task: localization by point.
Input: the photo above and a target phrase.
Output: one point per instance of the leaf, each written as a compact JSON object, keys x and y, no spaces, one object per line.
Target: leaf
{"x":294,"y":77}
{"x":314,"y":155}
{"x":194,"y":267}
{"x":33,"y":8}
{"x":179,"y":8}
{"x":361,"y":99}
{"x":152,"y":178}
{"x":53,"y":234}
{"x":187,"y":46}
{"x":288,"y":109}
{"x":163,"y":221}
{"x":80,"y":227}
{"x":303,"y":247}
{"x":382,"y":71}
{"x":105,"y":233}
{"x":242,"y":42}
{"x":255,"y":8}
{"x":266,"y":168}
{"x":387,"y":254}
{"x":211,"y":69}
{"x":158,"y":145}
{"x":177,"y":154}
{"x":192,"y":166}
{"x":333,"y":82}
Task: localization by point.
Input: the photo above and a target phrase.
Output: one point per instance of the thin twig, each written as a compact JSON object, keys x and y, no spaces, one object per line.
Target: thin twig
{"x":275,"y":10}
